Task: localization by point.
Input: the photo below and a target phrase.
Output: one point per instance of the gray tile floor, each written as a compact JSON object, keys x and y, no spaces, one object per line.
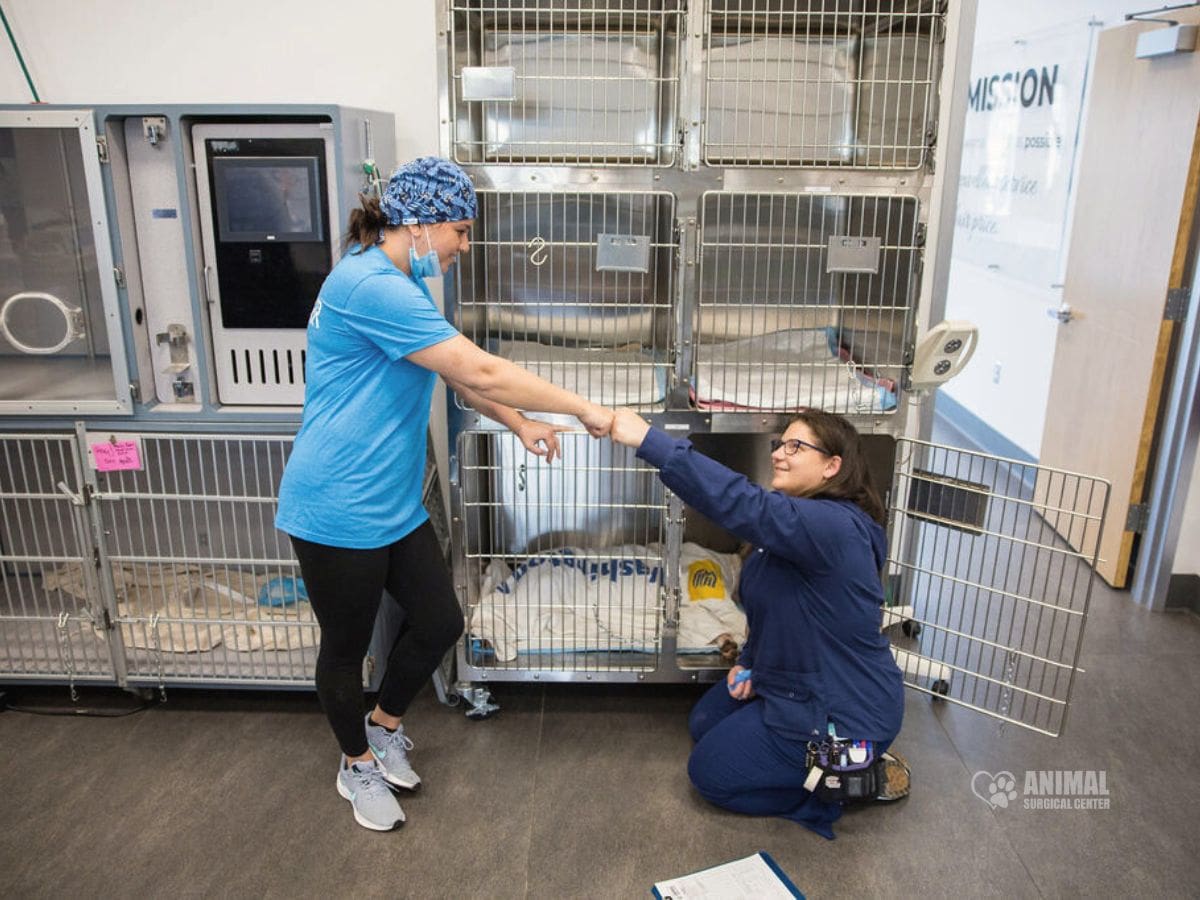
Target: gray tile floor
{"x":581,"y":791}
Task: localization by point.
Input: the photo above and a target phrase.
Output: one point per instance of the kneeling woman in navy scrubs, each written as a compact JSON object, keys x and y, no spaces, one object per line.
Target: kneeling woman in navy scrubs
{"x":812,"y":594}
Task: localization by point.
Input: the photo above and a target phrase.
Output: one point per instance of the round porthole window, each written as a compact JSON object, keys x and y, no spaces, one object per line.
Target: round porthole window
{"x":10,"y":316}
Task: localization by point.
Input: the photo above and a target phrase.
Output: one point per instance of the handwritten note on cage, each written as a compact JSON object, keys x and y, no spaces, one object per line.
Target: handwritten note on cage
{"x":116,"y":455}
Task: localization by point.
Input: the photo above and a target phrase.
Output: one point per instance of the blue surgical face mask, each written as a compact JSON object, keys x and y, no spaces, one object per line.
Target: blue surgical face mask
{"x":427,"y":266}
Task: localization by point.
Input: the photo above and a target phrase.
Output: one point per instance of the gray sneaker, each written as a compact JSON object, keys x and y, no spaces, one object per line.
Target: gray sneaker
{"x":390,"y":749}
{"x":374,"y":804}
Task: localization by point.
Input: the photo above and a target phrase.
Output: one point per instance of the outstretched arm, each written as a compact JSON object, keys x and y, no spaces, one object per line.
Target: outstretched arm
{"x":500,"y":381}
{"x":539,"y":438}
{"x":807,"y":532}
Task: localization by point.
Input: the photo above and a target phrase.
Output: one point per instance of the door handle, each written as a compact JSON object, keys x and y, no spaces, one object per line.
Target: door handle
{"x":1063,"y":313}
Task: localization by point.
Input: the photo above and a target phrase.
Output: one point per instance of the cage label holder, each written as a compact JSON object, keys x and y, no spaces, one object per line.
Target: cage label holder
{"x":623,"y":253}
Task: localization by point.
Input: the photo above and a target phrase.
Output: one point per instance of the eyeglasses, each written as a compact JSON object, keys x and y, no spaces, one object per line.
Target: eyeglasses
{"x":792,"y":447}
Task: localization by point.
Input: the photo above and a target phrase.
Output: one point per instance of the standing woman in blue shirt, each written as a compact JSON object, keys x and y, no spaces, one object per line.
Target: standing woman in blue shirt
{"x":350,"y":498}
{"x":812,"y":594}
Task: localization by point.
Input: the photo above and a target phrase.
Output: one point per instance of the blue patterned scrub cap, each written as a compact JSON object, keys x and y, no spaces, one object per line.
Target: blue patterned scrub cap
{"x":427,"y":190}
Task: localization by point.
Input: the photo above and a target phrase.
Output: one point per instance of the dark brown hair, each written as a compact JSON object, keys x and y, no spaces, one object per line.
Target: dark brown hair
{"x":366,"y":224}
{"x":853,"y":480}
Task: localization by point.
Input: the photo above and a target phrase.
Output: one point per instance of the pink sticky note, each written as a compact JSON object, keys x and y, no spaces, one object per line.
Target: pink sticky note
{"x":111,"y":457}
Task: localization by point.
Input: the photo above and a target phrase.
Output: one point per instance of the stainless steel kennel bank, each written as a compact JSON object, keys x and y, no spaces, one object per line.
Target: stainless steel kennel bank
{"x":157,"y":268}
{"x":718,"y":211}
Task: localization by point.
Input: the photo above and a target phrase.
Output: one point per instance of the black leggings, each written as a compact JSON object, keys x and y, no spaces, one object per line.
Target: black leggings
{"x":345,"y":587}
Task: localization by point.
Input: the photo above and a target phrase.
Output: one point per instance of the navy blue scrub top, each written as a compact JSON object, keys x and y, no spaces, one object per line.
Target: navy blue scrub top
{"x":812,"y":595}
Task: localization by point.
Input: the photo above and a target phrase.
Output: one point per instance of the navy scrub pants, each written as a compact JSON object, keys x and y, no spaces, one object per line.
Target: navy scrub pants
{"x":740,"y":764}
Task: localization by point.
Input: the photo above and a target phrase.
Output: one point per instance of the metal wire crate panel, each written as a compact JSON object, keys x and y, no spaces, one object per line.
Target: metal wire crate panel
{"x":804,"y":301}
{"x":207,"y":589}
{"x":994,"y":558}
{"x":575,"y":287}
{"x":563,"y":563}
{"x":825,"y":83}
{"x":557,"y":82}
{"x":47,"y":629}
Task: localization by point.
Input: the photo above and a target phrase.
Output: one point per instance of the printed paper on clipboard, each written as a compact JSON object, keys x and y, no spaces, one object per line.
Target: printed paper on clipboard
{"x":756,"y":877}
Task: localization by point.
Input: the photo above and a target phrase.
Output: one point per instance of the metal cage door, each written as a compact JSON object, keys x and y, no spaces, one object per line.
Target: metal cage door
{"x":990,"y":574}
{"x":52,"y":616}
{"x":206,"y":590}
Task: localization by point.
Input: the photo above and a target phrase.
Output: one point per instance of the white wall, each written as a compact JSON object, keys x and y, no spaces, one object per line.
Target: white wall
{"x":371,"y":54}
{"x":1187,"y":551}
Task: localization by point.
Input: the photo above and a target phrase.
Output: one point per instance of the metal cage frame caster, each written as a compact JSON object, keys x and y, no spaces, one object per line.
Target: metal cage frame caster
{"x":940,"y":689}
{"x":478,"y":701}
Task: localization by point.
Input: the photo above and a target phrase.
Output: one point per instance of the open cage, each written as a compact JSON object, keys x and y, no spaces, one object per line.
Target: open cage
{"x":824,"y":83}
{"x":547,"y":81}
{"x":561,"y":567}
{"x":577,"y":288}
{"x":805,"y":300}
{"x":990,"y":573}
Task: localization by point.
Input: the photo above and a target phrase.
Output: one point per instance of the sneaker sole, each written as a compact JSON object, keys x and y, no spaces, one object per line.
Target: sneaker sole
{"x":396,"y":782}
{"x":360,"y":819}
{"x":393,"y":780}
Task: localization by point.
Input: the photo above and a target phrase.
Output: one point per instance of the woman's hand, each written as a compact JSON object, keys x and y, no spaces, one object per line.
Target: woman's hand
{"x":539,"y":438}
{"x":629,"y":428}
{"x":743,"y":691}
{"x":597,"y":419}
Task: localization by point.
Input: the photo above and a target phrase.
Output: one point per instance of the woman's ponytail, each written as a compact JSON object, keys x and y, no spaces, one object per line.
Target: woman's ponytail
{"x":366,"y":224}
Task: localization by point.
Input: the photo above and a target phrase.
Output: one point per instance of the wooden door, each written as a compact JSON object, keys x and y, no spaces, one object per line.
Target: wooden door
{"x":1138,"y":175}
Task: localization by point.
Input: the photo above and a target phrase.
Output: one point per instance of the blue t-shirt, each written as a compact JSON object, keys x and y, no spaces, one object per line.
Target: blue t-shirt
{"x":355,"y":474}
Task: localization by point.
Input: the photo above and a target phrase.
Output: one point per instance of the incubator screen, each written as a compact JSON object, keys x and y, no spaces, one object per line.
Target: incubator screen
{"x":260,"y":200}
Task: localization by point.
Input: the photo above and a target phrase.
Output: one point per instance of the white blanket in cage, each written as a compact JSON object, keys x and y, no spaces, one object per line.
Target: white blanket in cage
{"x":611,"y":377}
{"x":193,"y":609}
{"x":786,"y":370}
{"x":575,"y":600}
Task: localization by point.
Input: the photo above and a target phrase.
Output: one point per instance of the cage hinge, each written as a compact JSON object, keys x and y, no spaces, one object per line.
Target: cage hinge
{"x":1176,"y":308}
{"x":1138,"y":518}
{"x":102,"y":149}
{"x":135,"y":392}
{"x":119,"y":276}
{"x":919,"y":237}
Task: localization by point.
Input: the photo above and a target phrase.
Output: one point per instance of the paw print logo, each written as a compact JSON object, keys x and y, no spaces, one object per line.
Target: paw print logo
{"x":997,"y":791}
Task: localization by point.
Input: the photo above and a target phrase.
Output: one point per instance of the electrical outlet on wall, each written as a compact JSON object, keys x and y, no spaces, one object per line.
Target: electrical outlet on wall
{"x":996,"y":367}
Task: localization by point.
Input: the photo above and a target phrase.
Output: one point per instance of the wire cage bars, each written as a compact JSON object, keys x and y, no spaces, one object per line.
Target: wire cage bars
{"x":804,"y":300}
{"x":547,"y":81}
{"x":49,"y":629}
{"x":991,"y":561}
{"x":561,"y":566}
{"x":825,"y":83}
{"x":207,"y":590}
{"x":576,"y":287}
